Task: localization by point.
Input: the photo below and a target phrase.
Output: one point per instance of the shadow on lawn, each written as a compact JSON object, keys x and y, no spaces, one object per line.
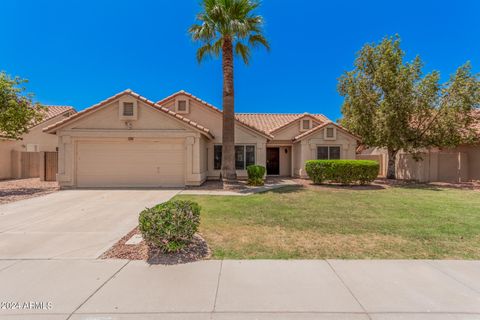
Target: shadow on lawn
{"x":286,"y":189}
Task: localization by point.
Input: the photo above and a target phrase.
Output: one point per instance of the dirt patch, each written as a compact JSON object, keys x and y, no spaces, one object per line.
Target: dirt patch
{"x":196,"y":250}
{"x":15,"y":190}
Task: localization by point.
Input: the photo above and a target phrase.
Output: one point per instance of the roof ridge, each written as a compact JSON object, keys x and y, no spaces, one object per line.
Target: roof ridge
{"x":211,"y":106}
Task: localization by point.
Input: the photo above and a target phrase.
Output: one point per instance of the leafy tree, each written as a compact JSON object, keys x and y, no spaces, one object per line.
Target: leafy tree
{"x":391,"y":104}
{"x":17,"y":111}
{"x":225,"y":28}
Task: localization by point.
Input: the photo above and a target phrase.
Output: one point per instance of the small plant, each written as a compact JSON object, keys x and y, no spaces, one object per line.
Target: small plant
{"x":342,"y":171}
{"x":170,"y":226}
{"x":255,"y":175}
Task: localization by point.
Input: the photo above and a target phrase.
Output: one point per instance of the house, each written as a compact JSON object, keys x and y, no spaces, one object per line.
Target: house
{"x":460,"y":164}
{"x":22,"y":158}
{"x":130,"y":141}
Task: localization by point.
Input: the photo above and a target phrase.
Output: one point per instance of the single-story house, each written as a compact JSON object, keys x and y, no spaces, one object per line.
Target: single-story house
{"x":23,"y":158}
{"x":130,"y":141}
{"x":460,"y":164}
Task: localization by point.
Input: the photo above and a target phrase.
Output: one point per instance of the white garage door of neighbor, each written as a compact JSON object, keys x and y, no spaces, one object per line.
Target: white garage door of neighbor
{"x":131,"y":164}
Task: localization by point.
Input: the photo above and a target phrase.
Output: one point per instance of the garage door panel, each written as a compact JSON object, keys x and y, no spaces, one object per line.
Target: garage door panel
{"x":132,"y":164}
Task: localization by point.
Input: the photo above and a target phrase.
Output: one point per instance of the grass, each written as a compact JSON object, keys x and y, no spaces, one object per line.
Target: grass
{"x":310,"y":223}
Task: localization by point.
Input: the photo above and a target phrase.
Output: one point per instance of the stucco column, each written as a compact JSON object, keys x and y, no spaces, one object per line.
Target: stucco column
{"x":196,"y":155}
{"x":261,"y":156}
{"x":66,"y":163}
{"x":189,"y":141}
{"x":305,"y":154}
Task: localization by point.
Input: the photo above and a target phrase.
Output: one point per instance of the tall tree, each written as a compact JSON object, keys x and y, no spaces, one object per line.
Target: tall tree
{"x":391,"y":104}
{"x":17,"y":111}
{"x":228,"y":28}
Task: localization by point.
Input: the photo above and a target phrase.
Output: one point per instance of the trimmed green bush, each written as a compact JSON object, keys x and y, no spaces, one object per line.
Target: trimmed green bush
{"x":342,"y":171}
{"x":170,"y":226}
{"x":255,"y":175}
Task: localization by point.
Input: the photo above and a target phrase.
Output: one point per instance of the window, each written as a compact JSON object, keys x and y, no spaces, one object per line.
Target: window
{"x":182,"y":106}
{"x":244,"y":157}
{"x":306,"y":124}
{"x":217,"y":157}
{"x":328,"y":153}
{"x":128,"y":109}
{"x":249,"y":155}
{"x":239,"y":157}
{"x":330,"y":133}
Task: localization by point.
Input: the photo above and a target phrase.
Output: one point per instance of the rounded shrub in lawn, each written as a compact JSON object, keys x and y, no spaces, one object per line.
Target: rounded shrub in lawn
{"x":255,"y":175}
{"x":342,"y":171}
{"x":170,"y":226}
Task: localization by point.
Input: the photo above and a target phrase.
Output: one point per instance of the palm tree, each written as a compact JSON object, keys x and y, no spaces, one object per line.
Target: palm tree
{"x":226,"y":27}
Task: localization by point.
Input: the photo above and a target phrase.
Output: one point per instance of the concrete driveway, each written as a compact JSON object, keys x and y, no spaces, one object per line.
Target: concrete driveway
{"x":72,"y":223}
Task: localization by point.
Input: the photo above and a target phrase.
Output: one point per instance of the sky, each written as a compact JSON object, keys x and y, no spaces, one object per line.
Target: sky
{"x":81,"y":52}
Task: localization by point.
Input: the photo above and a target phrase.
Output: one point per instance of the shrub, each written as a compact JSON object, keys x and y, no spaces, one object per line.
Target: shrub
{"x":255,"y":175}
{"x":170,"y":226}
{"x":342,"y":171}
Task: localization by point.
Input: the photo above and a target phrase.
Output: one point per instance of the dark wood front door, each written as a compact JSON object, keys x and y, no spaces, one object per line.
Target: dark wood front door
{"x":273,"y":161}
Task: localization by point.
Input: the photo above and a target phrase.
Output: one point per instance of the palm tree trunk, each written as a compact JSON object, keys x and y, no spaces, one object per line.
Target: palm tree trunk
{"x":228,"y":133}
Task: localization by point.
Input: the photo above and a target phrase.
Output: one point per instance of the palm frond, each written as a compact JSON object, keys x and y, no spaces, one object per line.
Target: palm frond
{"x":228,"y":19}
{"x":243,"y":51}
{"x":258,"y":39}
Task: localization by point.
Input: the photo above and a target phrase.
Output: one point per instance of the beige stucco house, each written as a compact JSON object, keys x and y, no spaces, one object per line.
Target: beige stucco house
{"x":461,"y":164}
{"x":130,"y":141}
{"x":32,"y":144}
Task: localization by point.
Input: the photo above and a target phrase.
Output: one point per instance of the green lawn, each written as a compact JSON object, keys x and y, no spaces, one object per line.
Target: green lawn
{"x":296,"y":222}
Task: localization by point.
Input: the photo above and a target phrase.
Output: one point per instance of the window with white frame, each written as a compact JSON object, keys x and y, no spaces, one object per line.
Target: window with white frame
{"x":244,"y":156}
{"x":328,"y":153}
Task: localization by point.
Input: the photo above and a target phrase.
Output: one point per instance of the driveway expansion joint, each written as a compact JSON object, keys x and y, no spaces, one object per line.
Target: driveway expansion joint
{"x":428,"y":262}
{"x":218,"y":285}
{"x":98,"y":289}
{"x":348,"y":288}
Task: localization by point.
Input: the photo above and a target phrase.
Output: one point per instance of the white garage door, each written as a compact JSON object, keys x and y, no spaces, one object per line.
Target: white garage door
{"x":131,"y":164}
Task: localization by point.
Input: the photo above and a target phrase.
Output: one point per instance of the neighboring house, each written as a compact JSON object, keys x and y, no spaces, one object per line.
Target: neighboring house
{"x":459,"y":164}
{"x":130,"y":141}
{"x":15,"y":153}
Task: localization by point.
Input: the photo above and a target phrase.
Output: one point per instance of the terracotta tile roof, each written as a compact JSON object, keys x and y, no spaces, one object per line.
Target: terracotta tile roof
{"x":53,"y":111}
{"x":212,"y":107}
{"x":202,"y":129}
{"x":313,"y":130}
{"x":271,"y":122}
{"x":50,"y":112}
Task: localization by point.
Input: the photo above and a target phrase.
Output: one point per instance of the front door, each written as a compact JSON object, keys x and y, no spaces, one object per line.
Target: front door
{"x":273,"y":161}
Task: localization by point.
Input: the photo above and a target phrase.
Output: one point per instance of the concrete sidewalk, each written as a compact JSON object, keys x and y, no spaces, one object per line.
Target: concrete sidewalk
{"x":255,"y":289}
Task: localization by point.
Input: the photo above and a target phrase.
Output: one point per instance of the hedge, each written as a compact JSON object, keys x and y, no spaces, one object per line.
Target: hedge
{"x":255,"y":175}
{"x":342,"y":171}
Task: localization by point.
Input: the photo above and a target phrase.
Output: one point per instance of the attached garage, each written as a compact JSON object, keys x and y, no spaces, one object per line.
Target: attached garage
{"x":129,"y":141}
{"x":158,"y":163}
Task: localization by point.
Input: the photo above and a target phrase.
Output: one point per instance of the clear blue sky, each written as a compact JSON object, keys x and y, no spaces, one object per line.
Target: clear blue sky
{"x":81,"y":52}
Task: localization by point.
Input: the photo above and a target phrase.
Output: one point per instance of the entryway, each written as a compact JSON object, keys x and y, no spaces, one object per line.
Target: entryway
{"x":273,"y":161}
